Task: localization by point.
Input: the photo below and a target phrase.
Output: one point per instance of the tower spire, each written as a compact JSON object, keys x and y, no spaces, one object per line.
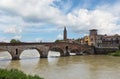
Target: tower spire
{"x":65,"y":34}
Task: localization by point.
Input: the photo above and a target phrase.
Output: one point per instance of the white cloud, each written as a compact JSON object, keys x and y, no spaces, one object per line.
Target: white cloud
{"x":32,"y":8}
{"x":38,"y":39}
{"x":13,"y":30}
{"x":11,"y":24}
{"x":28,"y":14}
{"x":31,"y":13}
{"x":18,"y":37}
{"x":104,"y":21}
{"x":60,"y":36}
{"x":4,"y":39}
{"x":6,"y":19}
{"x":112,"y":8}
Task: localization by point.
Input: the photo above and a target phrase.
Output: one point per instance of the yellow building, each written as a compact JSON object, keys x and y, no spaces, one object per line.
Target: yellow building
{"x":87,"y":40}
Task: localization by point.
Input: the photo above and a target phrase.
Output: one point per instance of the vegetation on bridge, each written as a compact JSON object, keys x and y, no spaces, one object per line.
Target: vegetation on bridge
{"x":15,"y":41}
{"x":15,"y":74}
{"x":56,"y":41}
{"x":117,"y":53}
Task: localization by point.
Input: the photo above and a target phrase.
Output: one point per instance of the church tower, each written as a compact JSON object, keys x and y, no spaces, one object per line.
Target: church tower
{"x":65,"y":34}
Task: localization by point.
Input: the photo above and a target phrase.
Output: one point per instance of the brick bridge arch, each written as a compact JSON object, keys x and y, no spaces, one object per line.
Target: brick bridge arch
{"x":57,"y":49}
{"x":15,"y":49}
{"x":72,"y":47}
{"x":39,"y":49}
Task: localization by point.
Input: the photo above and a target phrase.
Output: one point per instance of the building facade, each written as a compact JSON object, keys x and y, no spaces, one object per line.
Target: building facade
{"x":97,"y":40}
{"x":107,"y":41}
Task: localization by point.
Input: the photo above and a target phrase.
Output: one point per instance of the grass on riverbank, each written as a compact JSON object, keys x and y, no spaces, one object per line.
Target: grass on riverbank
{"x":15,"y":74}
{"x":117,"y":53}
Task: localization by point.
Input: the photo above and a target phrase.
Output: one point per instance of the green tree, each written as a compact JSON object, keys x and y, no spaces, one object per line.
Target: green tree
{"x":15,"y":41}
{"x":56,"y":41}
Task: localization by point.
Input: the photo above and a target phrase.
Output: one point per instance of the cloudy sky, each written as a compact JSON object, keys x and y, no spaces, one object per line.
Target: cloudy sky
{"x":36,"y":20}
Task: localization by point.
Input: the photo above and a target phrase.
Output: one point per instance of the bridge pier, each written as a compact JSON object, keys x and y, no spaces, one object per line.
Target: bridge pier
{"x":67,"y":53}
{"x":43,"y":56}
{"x":78,"y":53}
{"x":15,"y":58}
{"x":44,"y":52}
{"x":15,"y":53}
{"x":62,"y":54}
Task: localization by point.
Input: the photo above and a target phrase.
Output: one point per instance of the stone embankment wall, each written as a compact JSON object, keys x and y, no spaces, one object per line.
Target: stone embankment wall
{"x":105,"y":50}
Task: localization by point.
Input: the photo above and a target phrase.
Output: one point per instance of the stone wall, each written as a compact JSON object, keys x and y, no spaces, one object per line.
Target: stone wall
{"x":105,"y":50}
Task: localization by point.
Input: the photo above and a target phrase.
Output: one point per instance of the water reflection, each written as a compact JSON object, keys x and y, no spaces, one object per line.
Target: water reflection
{"x":53,"y":61}
{"x":14,"y":64}
{"x":72,"y":67}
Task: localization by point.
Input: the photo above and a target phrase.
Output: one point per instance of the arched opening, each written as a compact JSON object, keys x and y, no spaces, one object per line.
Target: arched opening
{"x":16,"y":51}
{"x":30,"y":54}
{"x":66,"y":47}
{"x":74,"y":52}
{"x":5,"y":55}
{"x":55,"y":52}
{"x":67,"y":52}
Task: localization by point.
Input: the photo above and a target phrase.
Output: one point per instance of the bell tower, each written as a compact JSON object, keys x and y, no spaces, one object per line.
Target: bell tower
{"x":65,"y":34}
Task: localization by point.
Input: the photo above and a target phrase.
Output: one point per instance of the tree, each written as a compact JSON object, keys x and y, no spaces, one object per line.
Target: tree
{"x":56,"y":41}
{"x":15,"y":41}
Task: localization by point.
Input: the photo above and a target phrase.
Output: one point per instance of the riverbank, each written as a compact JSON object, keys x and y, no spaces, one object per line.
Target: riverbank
{"x":117,"y":53}
{"x":15,"y":74}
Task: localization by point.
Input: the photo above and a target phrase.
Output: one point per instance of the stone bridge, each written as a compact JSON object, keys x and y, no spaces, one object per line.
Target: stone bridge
{"x":15,"y":49}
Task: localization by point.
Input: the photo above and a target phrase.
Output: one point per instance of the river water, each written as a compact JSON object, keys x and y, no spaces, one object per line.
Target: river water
{"x":72,"y":67}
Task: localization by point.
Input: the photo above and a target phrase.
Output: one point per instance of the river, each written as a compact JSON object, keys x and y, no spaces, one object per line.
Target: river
{"x":72,"y":67}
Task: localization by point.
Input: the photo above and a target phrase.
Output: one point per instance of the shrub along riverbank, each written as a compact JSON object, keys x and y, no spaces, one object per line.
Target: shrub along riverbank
{"x":117,"y":53}
{"x":15,"y":74}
